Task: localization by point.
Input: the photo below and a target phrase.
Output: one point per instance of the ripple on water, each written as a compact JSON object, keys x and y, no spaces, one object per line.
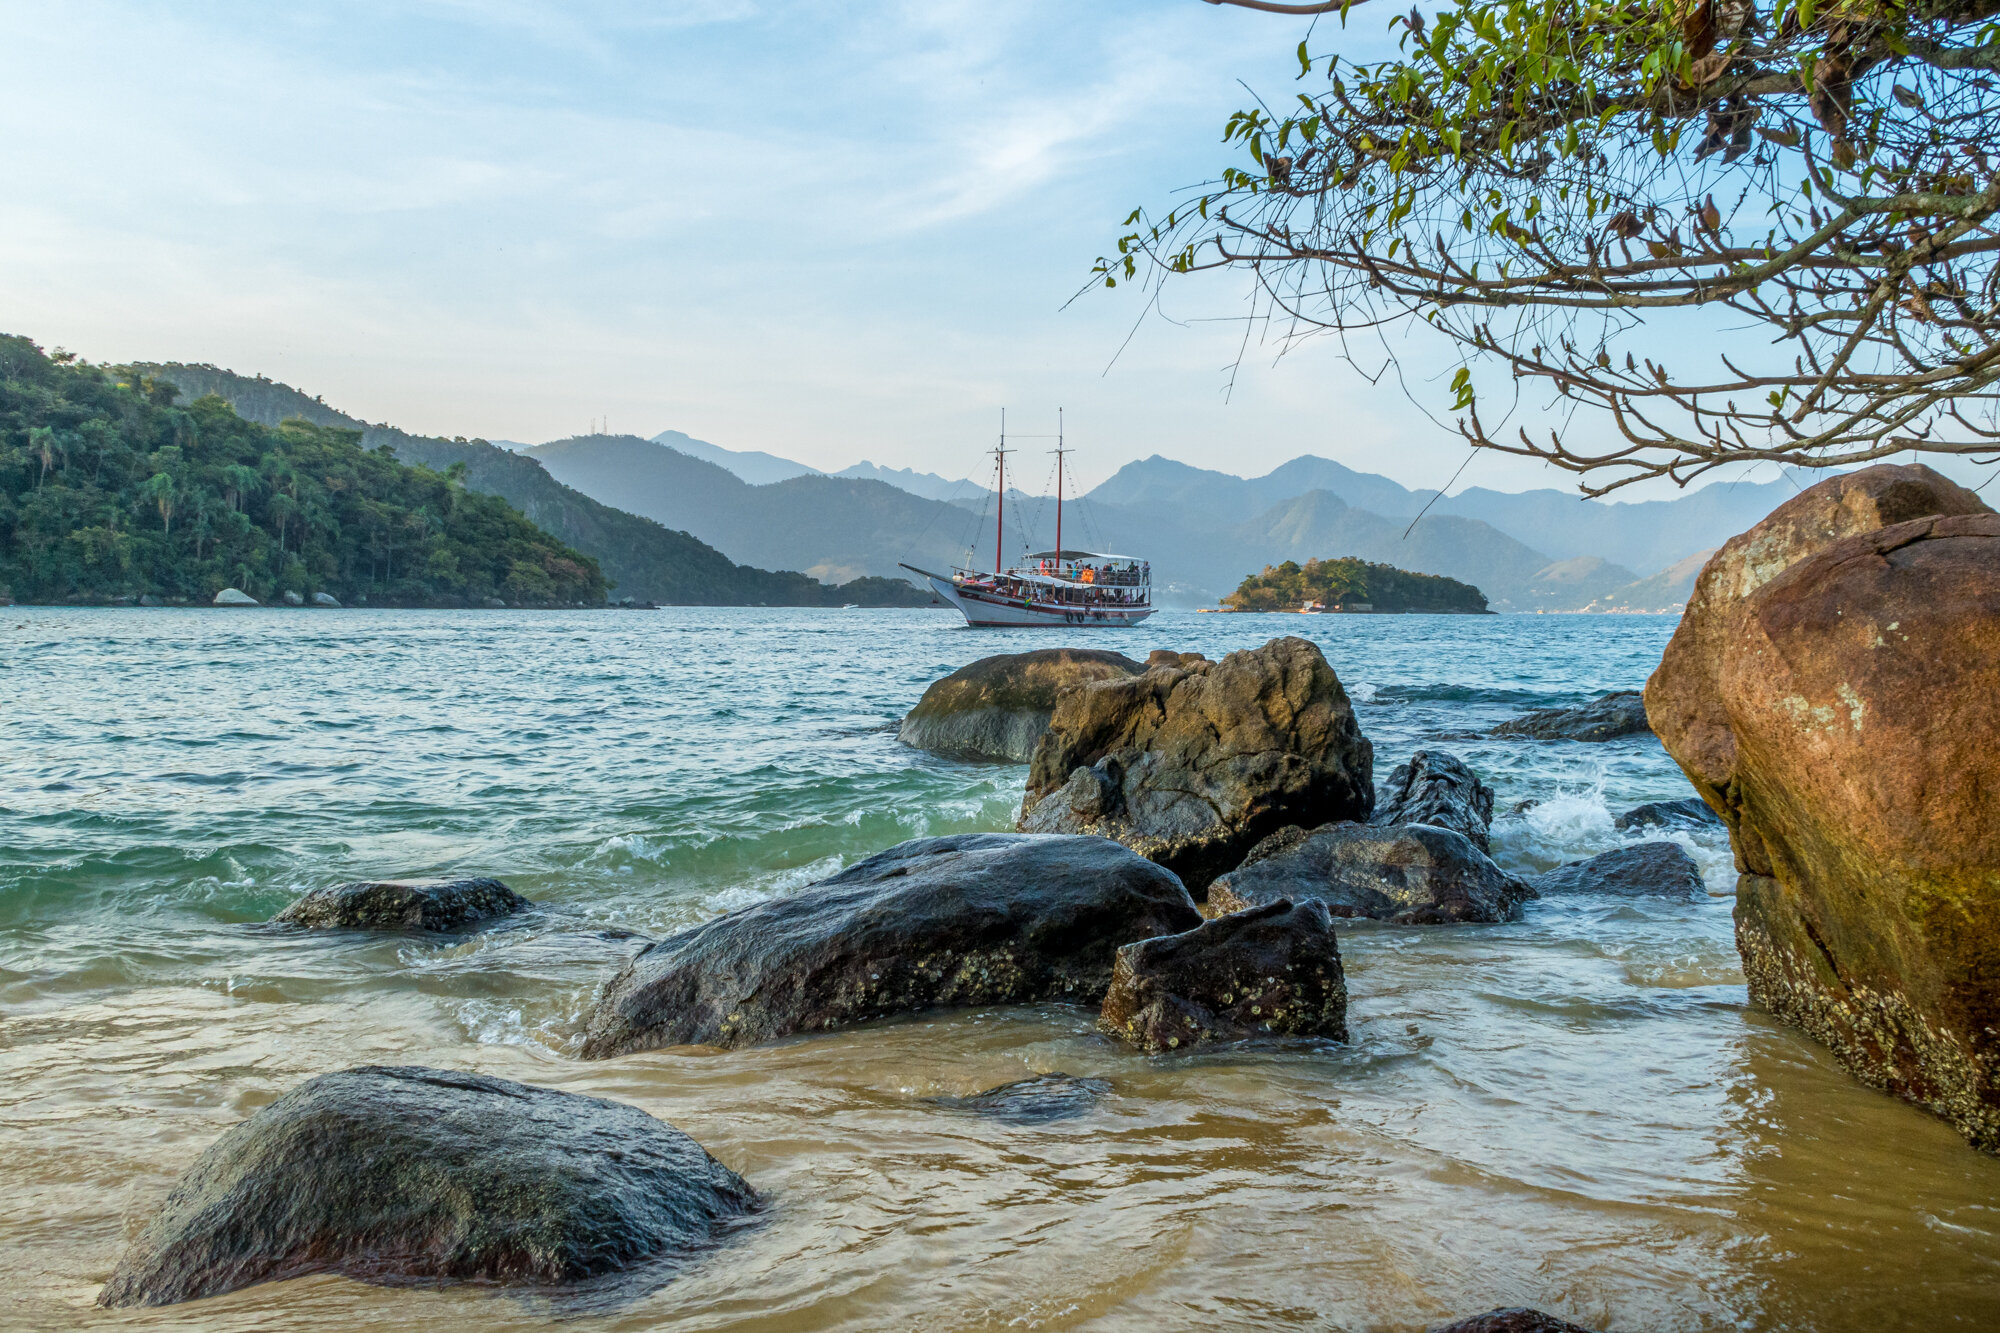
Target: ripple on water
{"x":1576,"y":1111}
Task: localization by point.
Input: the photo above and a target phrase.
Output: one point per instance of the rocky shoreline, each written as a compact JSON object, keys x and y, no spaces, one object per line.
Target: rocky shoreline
{"x":1193,"y":837}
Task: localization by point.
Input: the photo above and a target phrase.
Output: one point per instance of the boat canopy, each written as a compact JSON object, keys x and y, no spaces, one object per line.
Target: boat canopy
{"x":1082,"y":555}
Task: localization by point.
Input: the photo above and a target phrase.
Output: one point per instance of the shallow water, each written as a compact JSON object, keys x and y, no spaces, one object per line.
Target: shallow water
{"x":1577,"y":1111}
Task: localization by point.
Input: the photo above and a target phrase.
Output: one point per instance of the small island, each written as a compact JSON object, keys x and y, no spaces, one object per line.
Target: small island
{"x":1348,"y":585}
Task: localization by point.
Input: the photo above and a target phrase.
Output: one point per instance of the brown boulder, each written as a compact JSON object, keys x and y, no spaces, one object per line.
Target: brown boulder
{"x":1273,"y":969}
{"x":1834,"y":691}
{"x":1190,"y":766}
{"x":997,"y":708}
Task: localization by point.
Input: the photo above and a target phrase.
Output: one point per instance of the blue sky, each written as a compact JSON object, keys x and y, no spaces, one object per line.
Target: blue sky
{"x":828,"y":231}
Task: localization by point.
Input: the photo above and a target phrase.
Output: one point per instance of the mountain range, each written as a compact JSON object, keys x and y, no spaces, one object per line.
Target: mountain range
{"x":641,"y":558}
{"x":1204,"y":530}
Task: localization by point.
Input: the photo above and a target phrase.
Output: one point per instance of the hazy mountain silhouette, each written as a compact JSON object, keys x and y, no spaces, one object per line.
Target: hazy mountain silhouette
{"x":642,"y":558}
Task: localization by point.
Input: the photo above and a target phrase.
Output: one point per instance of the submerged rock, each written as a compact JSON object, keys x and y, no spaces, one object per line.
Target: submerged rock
{"x":1645,"y":869}
{"x":997,"y":708}
{"x":975,"y":918}
{"x":1834,"y":691}
{"x":444,"y":906}
{"x":1272,"y":969}
{"x":1192,"y":766}
{"x":235,"y":597}
{"x":1622,"y":713}
{"x":1519,"y":1319}
{"x":428,"y":1175}
{"x":1408,"y":874}
{"x":1441,"y":790}
{"x":1691,"y":813}
{"x":1033,"y":1101}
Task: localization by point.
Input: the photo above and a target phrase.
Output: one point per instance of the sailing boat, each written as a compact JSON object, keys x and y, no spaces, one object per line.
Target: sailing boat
{"x":1089,"y":589}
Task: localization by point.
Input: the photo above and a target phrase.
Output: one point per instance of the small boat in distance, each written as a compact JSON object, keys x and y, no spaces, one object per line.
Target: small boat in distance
{"x":1053,"y":588}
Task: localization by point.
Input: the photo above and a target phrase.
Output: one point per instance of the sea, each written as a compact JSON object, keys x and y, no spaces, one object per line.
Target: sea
{"x":1580,"y":1111}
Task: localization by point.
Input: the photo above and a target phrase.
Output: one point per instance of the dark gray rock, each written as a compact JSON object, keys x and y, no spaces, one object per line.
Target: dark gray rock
{"x":1193,"y":765}
{"x":997,"y":708}
{"x":1409,"y":874}
{"x":1272,"y":969}
{"x":1620,"y":714}
{"x":1439,"y":789}
{"x":975,"y":918}
{"x":1645,"y":869}
{"x":1033,"y":1101}
{"x":402,"y":1175}
{"x":1692,"y":813}
{"x":443,"y":906}
{"x":1519,"y":1319}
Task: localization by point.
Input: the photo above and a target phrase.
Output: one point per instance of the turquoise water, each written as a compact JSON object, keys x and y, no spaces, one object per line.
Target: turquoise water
{"x":1578,"y":1111}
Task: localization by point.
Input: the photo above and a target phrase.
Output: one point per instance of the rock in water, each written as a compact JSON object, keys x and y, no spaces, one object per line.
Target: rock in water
{"x":975,"y":918}
{"x":1273,"y":969}
{"x":1438,"y":789}
{"x":1409,"y":874}
{"x":1191,"y":766}
{"x":235,"y":597}
{"x":1645,"y":869}
{"x":1518,"y":1319}
{"x":427,"y":1175}
{"x":997,"y":708}
{"x":293,"y":599}
{"x":325,"y":599}
{"x":444,"y":906}
{"x":1834,"y":690}
{"x":1622,"y":713}
{"x":1691,"y":813}
{"x":1033,"y":1101}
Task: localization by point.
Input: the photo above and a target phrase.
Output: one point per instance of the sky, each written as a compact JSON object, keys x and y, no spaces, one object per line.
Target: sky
{"x":830,"y":231}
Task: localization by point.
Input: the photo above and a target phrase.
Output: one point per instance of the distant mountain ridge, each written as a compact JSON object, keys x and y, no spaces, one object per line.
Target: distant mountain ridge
{"x":641,"y":558}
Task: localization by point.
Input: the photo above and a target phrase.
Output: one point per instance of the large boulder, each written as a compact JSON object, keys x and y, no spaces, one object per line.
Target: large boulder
{"x":997,"y":708}
{"x":404,"y":1174}
{"x":1408,"y":874}
{"x":440,"y":906}
{"x":1642,"y":870}
{"x":975,"y":918}
{"x":1273,"y":969}
{"x":1834,"y":691}
{"x":1621,"y":713}
{"x":1438,"y":789}
{"x":235,"y":597}
{"x":1192,"y":765}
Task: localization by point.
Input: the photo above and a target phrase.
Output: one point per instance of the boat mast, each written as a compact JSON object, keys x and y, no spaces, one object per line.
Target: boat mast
{"x":1000,"y":453}
{"x":1059,"y":451}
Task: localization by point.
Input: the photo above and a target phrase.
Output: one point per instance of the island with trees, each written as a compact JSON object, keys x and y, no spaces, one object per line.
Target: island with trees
{"x":1349,"y":584}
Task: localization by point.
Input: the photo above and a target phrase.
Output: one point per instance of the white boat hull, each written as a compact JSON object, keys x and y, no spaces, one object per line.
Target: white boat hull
{"x":985,"y":611}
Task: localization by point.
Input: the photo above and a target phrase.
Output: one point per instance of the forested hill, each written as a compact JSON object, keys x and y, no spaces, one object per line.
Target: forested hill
{"x":642,"y":558}
{"x":109,"y":488}
{"x":1346,"y":581}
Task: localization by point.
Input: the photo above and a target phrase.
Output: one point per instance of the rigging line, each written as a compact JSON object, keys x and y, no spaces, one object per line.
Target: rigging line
{"x":950,"y":501}
{"x":1440,"y":495}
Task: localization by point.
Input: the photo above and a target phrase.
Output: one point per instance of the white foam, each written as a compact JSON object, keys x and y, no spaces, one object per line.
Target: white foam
{"x":1362,"y":692}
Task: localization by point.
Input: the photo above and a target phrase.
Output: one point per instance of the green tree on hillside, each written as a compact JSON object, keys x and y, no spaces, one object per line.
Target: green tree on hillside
{"x":1332,"y":583}
{"x":108,"y":489}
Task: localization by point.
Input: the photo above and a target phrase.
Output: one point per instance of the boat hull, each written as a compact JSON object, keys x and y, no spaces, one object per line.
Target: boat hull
{"x":986,"y":612}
